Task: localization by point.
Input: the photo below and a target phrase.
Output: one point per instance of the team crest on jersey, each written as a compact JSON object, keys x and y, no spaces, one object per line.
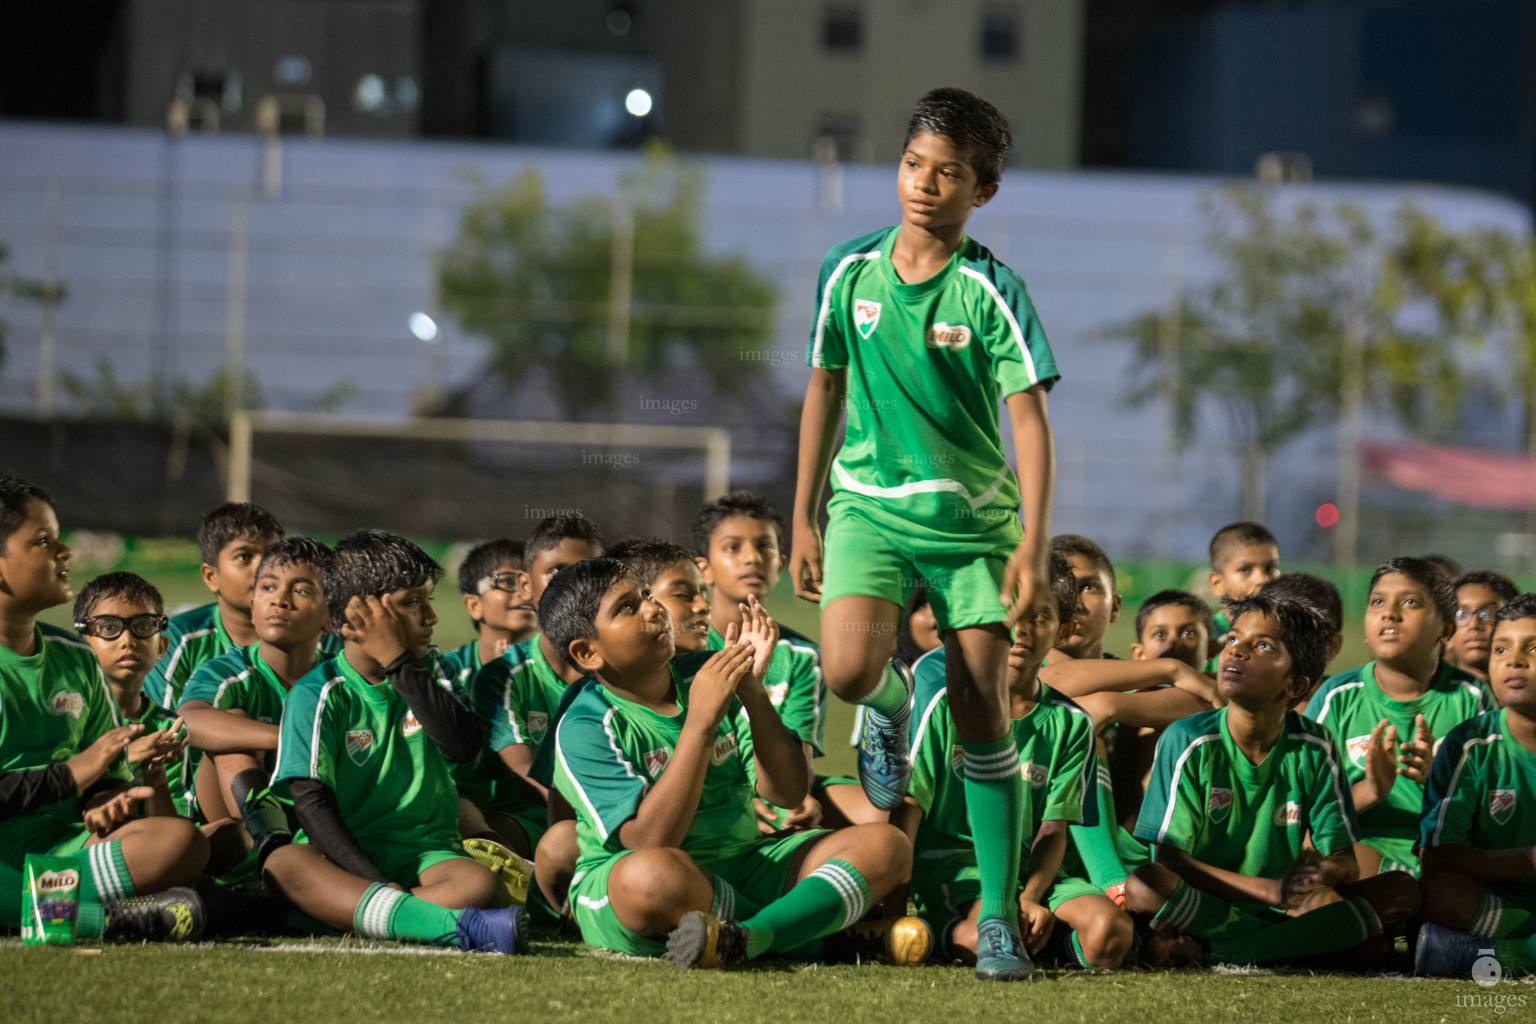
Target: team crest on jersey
{"x":409,"y":725}
{"x":1501,"y":804}
{"x":359,"y":745}
{"x":1219,"y":804}
{"x":1359,"y":746}
{"x":656,"y":761}
{"x":777,"y":692}
{"x":537,"y":721}
{"x":1288,"y":814}
{"x":865,"y":315}
{"x":957,"y":759}
{"x":1033,"y":773}
{"x":67,"y":702}
{"x":724,"y":747}
{"x":941,"y":335}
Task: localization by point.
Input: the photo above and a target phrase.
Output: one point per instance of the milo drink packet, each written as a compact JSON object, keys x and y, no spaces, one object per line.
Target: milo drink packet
{"x":50,"y":900}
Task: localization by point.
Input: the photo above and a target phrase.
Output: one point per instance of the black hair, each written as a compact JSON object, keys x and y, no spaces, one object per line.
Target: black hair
{"x":484,"y":559}
{"x":1063,"y":584}
{"x":551,"y":531}
{"x":1237,"y":535}
{"x":129,"y":586}
{"x":1070,"y":544}
{"x":293,"y":551}
{"x":1425,"y":573}
{"x":372,"y":563}
{"x":906,"y":647}
{"x":1500,"y":584}
{"x":15,"y":493}
{"x":229,"y":523}
{"x":1303,"y":631}
{"x":1447,"y":565}
{"x":737,"y":503}
{"x":1313,"y":591}
{"x":1179,"y":598}
{"x":970,"y":123}
{"x":568,"y":609}
{"x":648,"y":559}
{"x":1521,"y":606}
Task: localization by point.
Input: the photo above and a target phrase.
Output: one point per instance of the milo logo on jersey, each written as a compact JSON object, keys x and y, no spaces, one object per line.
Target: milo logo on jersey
{"x":359,"y":745}
{"x":1288,"y":814}
{"x":1218,"y":804}
{"x":941,"y":335}
{"x":1358,"y":747}
{"x":66,"y":702}
{"x":725,"y":746}
{"x":410,"y":725}
{"x":656,"y":761}
{"x":866,"y":315}
{"x":1034,"y":774}
{"x":1501,"y":804}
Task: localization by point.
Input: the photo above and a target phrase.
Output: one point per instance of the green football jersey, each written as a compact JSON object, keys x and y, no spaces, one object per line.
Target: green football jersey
{"x":1055,"y":744}
{"x":1207,"y":799}
{"x":178,"y":773}
{"x":194,"y":637}
{"x":515,"y":695}
{"x":927,"y":365}
{"x":608,"y":752}
{"x":794,"y":684}
{"x":239,"y":680}
{"x":53,"y":704}
{"x":1350,"y":704}
{"x":461,"y":664}
{"x":1482,"y":793}
{"x":364,"y":742}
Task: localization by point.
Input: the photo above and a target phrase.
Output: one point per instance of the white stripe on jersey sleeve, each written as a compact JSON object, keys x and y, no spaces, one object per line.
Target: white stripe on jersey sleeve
{"x":826,"y":299}
{"x":1333,"y":773}
{"x":1450,"y":789}
{"x":1173,"y":782}
{"x":1013,"y":323}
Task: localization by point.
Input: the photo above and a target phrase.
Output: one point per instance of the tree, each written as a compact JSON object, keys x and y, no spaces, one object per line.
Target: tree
{"x":26,"y":288}
{"x":538,"y":284}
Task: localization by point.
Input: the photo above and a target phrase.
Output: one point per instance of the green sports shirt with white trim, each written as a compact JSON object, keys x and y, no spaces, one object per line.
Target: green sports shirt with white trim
{"x":363,"y":741}
{"x":927,"y":366}
{"x":193,"y":638}
{"x":1481,"y":792}
{"x":1351,"y":703}
{"x":1206,"y":798}
{"x":515,"y":695}
{"x":53,"y":704}
{"x":794,"y":684}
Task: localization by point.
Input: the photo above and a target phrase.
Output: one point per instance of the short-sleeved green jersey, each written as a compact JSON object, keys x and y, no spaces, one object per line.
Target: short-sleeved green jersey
{"x":1481,"y":793}
{"x":53,"y":704}
{"x":193,"y":638}
{"x":1351,"y":703}
{"x":515,"y":695}
{"x":927,"y":365}
{"x":461,"y":664}
{"x":1055,"y":744}
{"x":794,"y":684}
{"x":1206,"y":798}
{"x":609,"y":751}
{"x":178,"y":773}
{"x":239,"y":680}
{"x":364,"y":742}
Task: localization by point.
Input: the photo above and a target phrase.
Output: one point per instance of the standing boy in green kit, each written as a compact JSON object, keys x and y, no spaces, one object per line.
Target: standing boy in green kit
{"x":919,"y":332}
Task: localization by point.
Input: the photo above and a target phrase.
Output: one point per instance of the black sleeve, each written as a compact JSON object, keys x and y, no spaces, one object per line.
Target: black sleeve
{"x":449,"y":724}
{"x":29,"y":790}
{"x":314,"y":804}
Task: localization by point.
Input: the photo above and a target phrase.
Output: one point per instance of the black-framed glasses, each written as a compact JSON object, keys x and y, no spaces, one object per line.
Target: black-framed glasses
{"x":512,"y":581}
{"x":1484,"y":616}
{"x":110,"y":627}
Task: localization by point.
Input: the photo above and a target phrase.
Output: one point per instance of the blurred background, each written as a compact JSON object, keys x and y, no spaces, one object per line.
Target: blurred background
{"x":283,"y":249}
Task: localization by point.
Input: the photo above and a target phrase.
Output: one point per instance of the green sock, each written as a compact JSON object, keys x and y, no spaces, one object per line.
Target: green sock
{"x":827,"y":900}
{"x":1096,"y":846}
{"x":1496,"y":918}
{"x":385,"y":913}
{"x":1239,"y":936}
{"x":889,"y":697}
{"x":994,"y":807}
{"x":1519,"y":954}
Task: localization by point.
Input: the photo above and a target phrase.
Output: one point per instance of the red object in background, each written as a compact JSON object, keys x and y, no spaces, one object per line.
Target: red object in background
{"x":1327,"y":514}
{"x":1466,"y":476}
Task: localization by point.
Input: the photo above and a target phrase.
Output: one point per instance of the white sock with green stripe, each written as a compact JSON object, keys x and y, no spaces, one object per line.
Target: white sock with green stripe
{"x":827,"y":900}
{"x":385,"y":913}
{"x":107,"y":872}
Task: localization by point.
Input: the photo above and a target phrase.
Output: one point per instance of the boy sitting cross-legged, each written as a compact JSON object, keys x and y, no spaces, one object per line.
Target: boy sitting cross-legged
{"x":651,"y":756}
{"x":1055,"y":743}
{"x":1250,"y":816}
{"x":364,"y":750}
{"x":1477,"y":843}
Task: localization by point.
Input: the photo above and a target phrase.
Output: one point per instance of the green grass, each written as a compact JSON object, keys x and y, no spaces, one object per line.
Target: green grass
{"x":232,"y":983}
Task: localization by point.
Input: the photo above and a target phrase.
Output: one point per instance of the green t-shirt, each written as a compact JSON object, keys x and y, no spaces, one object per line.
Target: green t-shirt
{"x":1055,"y":744}
{"x":794,"y":684}
{"x":363,"y":741}
{"x":1207,"y":799}
{"x":516,"y":695}
{"x":193,"y":637}
{"x":1482,"y":793}
{"x":1351,"y":703}
{"x":178,"y":773}
{"x":239,"y":680}
{"x":927,"y":366}
{"x":461,"y":664}
{"x":53,"y":704}
{"x":608,"y":752}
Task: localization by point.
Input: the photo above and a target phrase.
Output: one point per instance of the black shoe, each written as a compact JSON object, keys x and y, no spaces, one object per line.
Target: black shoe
{"x":175,"y":915}
{"x":232,"y":912}
{"x":703,"y":941}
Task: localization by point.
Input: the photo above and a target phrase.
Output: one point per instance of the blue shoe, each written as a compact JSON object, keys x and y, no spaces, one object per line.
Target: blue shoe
{"x":493,"y":931}
{"x":1442,"y":953}
{"x":885,"y":767}
{"x":1000,"y":954}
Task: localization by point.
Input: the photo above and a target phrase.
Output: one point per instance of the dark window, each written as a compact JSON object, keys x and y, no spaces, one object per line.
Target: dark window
{"x":842,"y":28}
{"x":1000,"y":33}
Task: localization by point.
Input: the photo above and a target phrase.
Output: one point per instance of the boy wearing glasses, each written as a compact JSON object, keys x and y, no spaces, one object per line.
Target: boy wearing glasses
{"x":498,"y":598}
{"x":1479,"y":596}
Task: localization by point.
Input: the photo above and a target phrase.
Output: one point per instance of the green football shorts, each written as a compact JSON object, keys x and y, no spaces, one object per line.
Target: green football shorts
{"x":754,"y":878}
{"x":1396,"y":854}
{"x":865,"y":555}
{"x":944,"y":882}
